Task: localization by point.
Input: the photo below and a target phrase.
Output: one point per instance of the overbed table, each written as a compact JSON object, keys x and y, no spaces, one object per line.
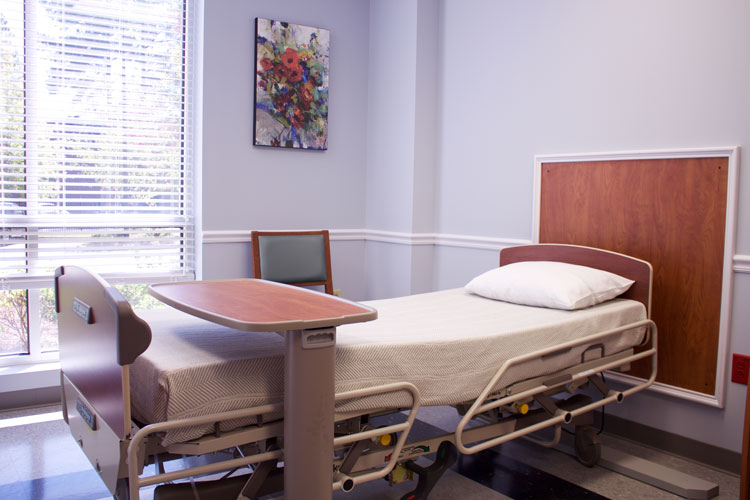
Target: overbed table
{"x":308,"y":321}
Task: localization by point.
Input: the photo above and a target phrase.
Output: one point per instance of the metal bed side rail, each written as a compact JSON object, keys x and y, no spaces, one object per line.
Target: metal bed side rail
{"x":136,"y":482}
{"x":560,"y":416}
{"x":347,"y":482}
{"x":342,"y":481}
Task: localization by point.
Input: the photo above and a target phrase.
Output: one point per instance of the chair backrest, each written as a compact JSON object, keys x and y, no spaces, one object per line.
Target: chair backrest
{"x":300,"y":258}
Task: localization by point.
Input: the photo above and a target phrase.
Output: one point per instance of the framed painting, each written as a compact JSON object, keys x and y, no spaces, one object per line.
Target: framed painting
{"x":291,"y":85}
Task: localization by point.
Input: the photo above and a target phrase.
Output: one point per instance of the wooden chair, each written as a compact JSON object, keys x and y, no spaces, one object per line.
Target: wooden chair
{"x":301,"y":258}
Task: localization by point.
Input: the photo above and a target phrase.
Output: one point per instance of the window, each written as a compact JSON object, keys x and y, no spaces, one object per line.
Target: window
{"x":95,"y":153}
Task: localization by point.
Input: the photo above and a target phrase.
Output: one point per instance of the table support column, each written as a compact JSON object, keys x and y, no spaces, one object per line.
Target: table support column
{"x":308,"y":413}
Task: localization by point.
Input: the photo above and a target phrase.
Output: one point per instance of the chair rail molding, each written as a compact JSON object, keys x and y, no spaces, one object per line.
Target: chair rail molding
{"x":741,"y":263}
{"x":380,"y":236}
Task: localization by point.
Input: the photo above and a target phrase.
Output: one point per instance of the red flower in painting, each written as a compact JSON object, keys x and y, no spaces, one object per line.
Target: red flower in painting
{"x":295,"y":73}
{"x":305,"y":97}
{"x":298,"y":119}
{"x":290,"y":58}
{"x":280,"y":71}
{"x":280,"y":101}
{"x":266,"y":63}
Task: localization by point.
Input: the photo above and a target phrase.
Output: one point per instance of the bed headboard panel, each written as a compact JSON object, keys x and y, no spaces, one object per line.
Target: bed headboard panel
{"x":623,"y":265}
{"x":671,"y":212}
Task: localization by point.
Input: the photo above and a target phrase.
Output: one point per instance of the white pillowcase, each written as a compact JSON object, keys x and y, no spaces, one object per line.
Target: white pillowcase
{"x":556,"y":285}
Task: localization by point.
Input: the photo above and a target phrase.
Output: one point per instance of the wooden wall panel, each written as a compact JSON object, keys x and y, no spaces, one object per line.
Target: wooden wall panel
{"x":670,"y":212}
{"x":745,"y":468}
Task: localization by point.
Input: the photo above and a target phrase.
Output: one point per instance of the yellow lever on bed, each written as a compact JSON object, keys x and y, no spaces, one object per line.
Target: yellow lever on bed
{"x":523,"y":409}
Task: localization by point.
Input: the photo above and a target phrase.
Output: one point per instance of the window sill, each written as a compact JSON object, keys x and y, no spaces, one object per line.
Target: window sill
{"x":29,"y":376}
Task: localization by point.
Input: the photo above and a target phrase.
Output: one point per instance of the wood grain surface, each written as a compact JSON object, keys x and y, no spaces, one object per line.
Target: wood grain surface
{"x":258,"y":305}
{"x":669,"y":212}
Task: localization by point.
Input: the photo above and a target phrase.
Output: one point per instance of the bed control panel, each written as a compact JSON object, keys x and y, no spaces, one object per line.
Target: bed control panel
{"x":87,"y":415}
{"x":82,"y":310}
{"x":318,"y":337}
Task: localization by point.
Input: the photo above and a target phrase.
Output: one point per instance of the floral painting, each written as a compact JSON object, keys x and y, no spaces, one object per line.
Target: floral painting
{"x":291,"y":85}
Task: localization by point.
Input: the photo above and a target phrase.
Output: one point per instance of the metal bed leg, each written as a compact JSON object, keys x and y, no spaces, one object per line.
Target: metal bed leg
{"x":428,"y":476}
{"x":257,"y":479}
{"x":122,"y":489}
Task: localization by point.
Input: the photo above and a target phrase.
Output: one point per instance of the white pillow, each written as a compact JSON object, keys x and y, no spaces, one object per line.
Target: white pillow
{"x":549,"y":284}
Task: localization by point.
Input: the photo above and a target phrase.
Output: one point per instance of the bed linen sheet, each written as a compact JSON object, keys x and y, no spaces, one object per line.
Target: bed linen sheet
{"x":448,"y":343}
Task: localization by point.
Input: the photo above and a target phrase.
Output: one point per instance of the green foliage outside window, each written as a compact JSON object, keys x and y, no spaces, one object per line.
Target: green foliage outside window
{"x":14,"y":327}
{"x":14,"y":322}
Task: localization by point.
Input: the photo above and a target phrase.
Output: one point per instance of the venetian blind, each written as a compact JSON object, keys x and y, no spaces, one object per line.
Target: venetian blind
{"x":95,"y":139}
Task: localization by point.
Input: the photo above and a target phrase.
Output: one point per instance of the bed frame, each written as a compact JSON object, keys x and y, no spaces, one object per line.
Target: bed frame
{"x":100,"y":336}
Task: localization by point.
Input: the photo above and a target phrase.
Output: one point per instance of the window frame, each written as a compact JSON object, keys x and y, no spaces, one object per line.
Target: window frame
{"x":188,"y":248}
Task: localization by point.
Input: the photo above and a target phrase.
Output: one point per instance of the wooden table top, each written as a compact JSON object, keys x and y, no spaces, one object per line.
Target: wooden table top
{"x":260,"y":306}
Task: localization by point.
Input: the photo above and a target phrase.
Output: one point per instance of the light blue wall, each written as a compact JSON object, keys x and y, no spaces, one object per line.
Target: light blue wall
{"x":544,"y":77}
{"x":390,"y":115}
{"x":247,"y":187}
{"x":255,"y":187}
{"x":402,"y":135}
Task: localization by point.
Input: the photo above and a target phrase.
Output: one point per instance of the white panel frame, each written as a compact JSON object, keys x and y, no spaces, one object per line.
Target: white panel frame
{"x":731,"y":262}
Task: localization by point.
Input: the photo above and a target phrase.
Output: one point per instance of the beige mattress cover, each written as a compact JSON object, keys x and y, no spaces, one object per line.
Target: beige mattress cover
{"x":448,"y":343}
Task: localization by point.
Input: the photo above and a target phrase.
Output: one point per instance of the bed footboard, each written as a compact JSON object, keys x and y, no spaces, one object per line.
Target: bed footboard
{"x":100,"y":337}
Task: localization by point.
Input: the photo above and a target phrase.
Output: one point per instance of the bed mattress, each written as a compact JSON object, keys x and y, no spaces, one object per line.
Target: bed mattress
{"x":448,"y":343}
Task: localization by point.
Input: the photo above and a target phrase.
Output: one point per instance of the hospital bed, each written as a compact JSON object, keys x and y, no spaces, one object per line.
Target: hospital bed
{"x":193,"y":397}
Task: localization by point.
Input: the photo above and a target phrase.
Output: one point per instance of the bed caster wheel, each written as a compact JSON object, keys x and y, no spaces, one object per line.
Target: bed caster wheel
{"x":588,"y":446}
{"x":445,"y":457}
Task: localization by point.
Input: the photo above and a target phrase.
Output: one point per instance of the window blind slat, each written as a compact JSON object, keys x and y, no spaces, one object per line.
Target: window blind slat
{"x":94,"y":139}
